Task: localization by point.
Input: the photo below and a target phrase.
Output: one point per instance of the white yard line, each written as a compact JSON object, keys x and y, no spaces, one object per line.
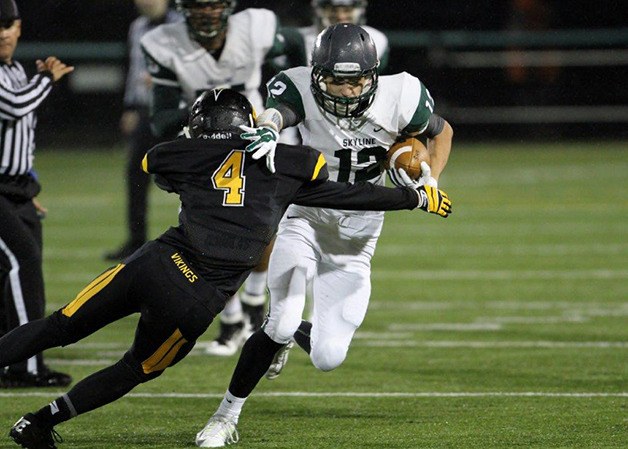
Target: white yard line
{"x":531,"y":249}
{"x":349,"y":394}
{"x":498,"y":275}
{"x":454,"y":344}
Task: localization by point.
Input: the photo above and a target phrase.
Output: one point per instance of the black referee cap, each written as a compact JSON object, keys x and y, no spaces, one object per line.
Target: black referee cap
{"x":8,"y":10}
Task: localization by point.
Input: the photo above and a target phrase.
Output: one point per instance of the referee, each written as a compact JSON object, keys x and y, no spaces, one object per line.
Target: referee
{"x":21,"y":279}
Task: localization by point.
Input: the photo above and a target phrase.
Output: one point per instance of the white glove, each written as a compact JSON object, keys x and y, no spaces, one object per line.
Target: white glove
{"x":426,"y":176}
{"x":263,"y":143}
{"x":400,"y":178}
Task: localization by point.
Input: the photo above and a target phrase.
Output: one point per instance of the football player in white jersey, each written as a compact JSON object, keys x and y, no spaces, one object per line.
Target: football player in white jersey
{"x":213,"y":48}
{"x":300,"y":40}
{"x":352,"y":115}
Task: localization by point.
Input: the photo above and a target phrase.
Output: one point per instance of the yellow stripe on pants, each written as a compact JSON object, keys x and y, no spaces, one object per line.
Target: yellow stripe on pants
{"x":94,"y":287}
{"x":165,"y":354}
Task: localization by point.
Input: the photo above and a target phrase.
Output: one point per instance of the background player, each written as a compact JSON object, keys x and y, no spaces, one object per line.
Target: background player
{"x":231,"y":206}
{"x":214,"y":48}
{"x":135,"y":123}
{"x":345,"y":110}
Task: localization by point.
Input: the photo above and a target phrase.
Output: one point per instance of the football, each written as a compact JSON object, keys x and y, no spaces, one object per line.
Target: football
{"x":408,"y":154}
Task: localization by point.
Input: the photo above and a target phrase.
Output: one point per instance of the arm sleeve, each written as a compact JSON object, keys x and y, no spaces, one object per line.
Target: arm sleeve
{"x":422,"y":110}
{"x":16,"y":103}
{"x":356,"y":196}
{"x":284,"y":96}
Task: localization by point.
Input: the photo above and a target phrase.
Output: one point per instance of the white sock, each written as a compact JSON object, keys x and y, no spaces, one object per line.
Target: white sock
{"x":230,"y":407}
{"x":232,"y":313}
{"x":255,"y":284}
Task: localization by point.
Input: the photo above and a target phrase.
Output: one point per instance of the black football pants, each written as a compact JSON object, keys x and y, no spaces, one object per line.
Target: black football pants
{"x":175,"y":307}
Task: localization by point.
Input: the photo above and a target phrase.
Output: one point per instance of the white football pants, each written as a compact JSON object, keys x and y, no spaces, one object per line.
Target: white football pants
{"x":336,"y":260}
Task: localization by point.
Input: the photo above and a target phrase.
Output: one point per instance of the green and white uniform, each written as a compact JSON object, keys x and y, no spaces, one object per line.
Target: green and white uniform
{"x":334,"y":247}
{"x":182,"y":69}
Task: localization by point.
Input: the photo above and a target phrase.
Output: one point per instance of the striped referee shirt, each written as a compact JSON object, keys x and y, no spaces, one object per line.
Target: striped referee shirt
{"x":19,"y":98}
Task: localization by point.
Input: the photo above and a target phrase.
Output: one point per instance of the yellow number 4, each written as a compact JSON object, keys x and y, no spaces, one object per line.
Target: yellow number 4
{"x":230,"y":178}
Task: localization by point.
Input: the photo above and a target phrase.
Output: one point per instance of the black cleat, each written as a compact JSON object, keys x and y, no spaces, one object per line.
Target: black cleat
{"x":45,"y":378}
{"x":254,"y":315}
{"x":230,"y":338}
{"x":123,"y":252}
{"x":28,"y":433}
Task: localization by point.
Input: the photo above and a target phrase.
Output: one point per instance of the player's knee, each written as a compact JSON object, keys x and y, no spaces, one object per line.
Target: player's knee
{"x":281,"y":329}
{"x":62,"y":328}
{"x":140,"y":371}
{"x":328,"y":355}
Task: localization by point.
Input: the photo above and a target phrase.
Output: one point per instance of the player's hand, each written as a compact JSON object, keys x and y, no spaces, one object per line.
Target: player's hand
{"x":263,"y":143}
{"x":434,"y":201}
{"x":400,"y":178}
{"x":426,"y":176}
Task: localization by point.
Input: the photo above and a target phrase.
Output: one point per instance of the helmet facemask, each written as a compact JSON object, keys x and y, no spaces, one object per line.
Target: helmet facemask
{"x":328,"y":12}
{"x":202,"y":24}
{"x":344,"y":106}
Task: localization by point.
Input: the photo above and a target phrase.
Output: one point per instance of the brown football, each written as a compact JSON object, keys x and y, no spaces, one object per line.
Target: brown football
{"x":408,"y":154}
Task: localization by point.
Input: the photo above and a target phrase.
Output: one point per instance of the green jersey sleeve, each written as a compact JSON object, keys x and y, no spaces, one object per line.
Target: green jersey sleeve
{"x":281,"y":89}
{"x":421,"y":116}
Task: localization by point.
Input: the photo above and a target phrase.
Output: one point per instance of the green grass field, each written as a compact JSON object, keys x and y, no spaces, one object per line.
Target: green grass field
{"x":504,"y":326}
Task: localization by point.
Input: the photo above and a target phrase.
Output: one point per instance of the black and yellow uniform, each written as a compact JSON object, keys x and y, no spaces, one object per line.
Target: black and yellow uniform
{"x":230,"y":209}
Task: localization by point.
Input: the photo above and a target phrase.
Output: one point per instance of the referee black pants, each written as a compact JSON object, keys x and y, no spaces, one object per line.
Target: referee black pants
{"x":21,"y":278}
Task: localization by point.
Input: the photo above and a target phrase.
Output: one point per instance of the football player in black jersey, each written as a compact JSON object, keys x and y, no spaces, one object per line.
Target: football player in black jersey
{"x":231,"y":205}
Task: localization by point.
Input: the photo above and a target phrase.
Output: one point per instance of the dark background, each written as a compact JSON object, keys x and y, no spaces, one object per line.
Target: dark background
{"x":458,"y":91}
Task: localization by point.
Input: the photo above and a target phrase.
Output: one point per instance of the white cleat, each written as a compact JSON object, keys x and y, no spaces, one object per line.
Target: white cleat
{"x":230,"y":339}
{"x":218,"y":432}
{"x":280,"y":360}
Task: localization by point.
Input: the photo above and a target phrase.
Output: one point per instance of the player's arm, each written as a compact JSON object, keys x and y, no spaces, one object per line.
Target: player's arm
{"x":166,"y":114}
{"x":356,"y":196}
{"x":438,"y":131}
{"x":318,"y":191}
{"x":265,"y":135}
{"x":284,"y":105}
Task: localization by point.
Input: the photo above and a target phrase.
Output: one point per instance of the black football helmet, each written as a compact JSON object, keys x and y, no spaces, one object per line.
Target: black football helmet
{"x":344,"y":51}
{"x":218,"y":112}
{"x":200,"y":24}
{"x":325,"y":16}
